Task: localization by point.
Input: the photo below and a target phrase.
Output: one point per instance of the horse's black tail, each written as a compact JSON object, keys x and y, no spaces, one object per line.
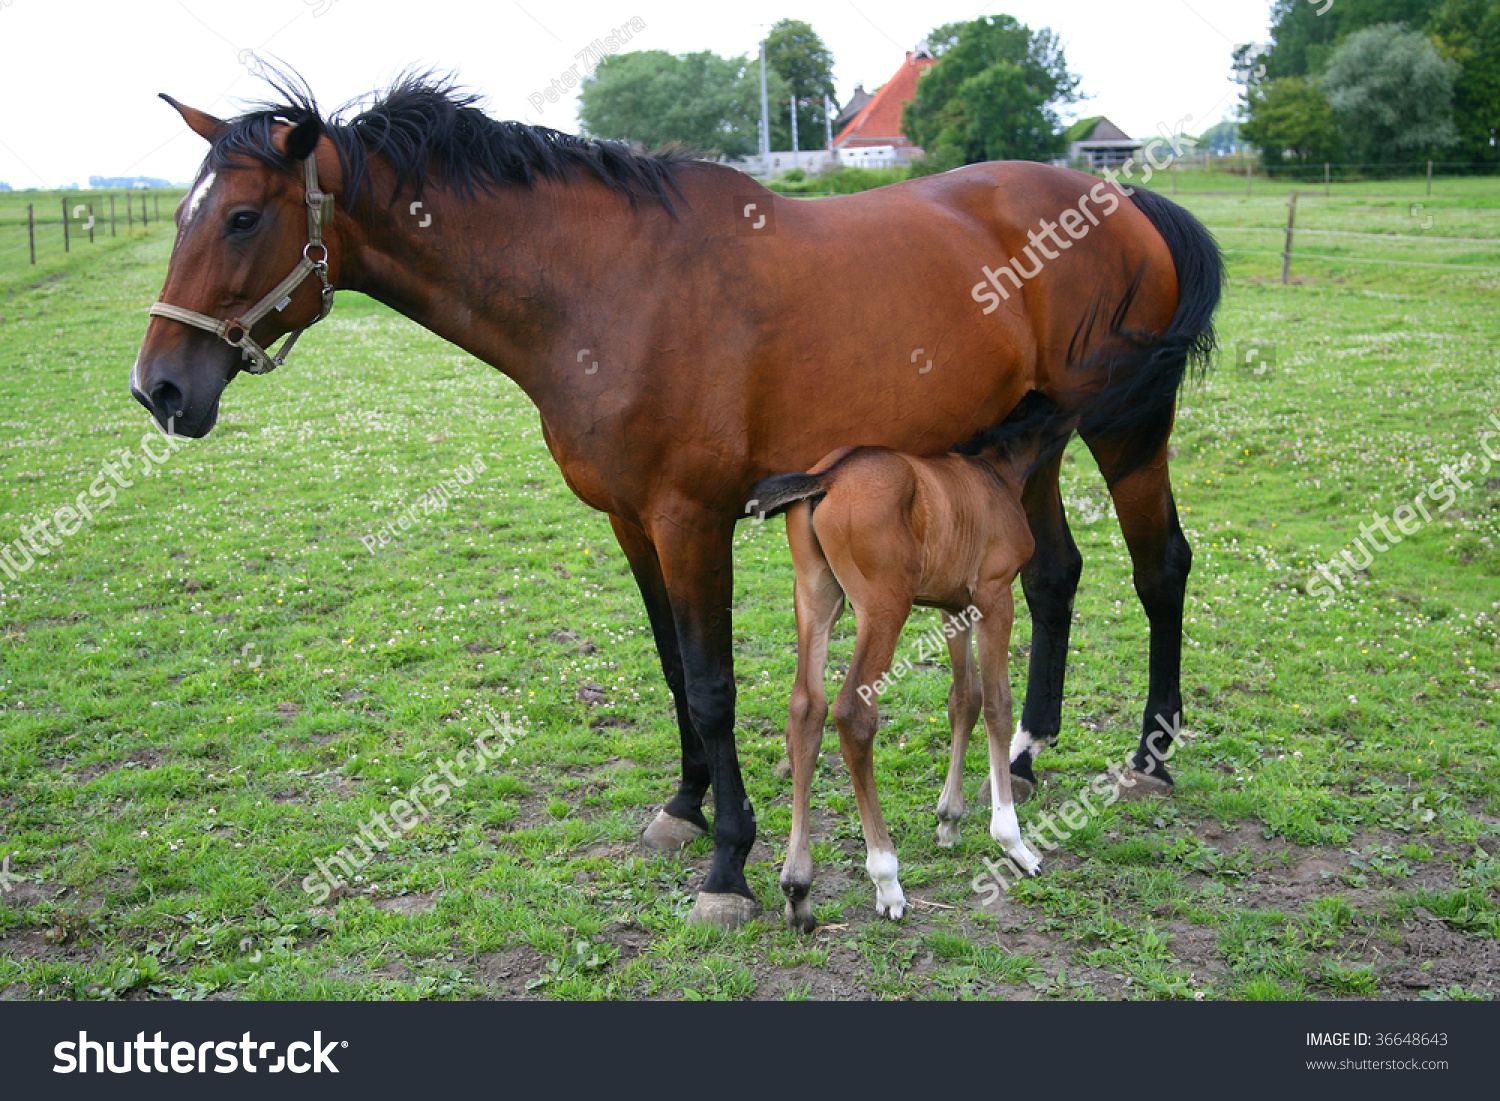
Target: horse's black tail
{"x":780,"y":492}
{"x":1144,"y":370}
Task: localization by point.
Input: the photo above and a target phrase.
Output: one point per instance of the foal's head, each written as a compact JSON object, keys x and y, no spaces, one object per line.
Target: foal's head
{"x":1034,"y":432}
{"x":240,"y":231}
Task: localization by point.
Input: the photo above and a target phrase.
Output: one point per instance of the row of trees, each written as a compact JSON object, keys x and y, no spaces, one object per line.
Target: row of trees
{"x":712,"y":103}
{"x":1376,"y":81}
{"x":995,"y":93}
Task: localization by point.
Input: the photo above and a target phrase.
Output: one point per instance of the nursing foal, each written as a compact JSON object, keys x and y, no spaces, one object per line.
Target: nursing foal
{"x":887,"y":531}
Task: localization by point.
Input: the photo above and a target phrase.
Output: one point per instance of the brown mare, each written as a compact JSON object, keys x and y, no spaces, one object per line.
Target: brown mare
{"x":738,"y":334}
{"x":887,"y":531}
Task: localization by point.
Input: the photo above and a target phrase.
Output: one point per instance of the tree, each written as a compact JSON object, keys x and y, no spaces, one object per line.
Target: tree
{"x":1305,"y":34}
{"x":796,"y":53}
{"x":1392,"y":93}
{"x":1221,"y":138}
{"x":1468,"y":31}
{"x":701,"y":100}
{"x":1290,"y":117}
{"x":994,"y":94}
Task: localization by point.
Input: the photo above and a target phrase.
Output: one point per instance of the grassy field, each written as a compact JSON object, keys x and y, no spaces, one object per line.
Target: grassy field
{"x":209,"y":686}
{"x":17,"y":272}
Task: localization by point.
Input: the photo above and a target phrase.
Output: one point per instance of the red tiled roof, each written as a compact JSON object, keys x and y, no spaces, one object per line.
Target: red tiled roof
{"x":880,"y":121}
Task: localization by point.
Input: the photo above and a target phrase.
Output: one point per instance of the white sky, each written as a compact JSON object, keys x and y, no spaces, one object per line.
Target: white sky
{"x":78,"y":80}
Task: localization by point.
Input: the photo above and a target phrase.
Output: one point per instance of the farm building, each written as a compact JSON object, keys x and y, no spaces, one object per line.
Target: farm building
{"x":872,"y":138}
{"x":1097,"y":143}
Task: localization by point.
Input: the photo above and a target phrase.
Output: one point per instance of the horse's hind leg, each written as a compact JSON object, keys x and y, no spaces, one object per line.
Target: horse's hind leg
{"x":1161,"y":558}
{"x":855,"y":714}
{"x":1049,"y":580}
{"x":963,"y":711}
{"x":819,"y":602}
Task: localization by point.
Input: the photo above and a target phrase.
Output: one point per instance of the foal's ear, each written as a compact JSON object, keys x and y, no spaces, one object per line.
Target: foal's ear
{"x":200,"y":122}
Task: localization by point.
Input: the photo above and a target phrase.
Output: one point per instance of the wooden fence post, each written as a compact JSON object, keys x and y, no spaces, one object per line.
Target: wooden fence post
{"x":129,"y":215}
{"x":111,"y":215}
{"x":91,"y":223}
{"x":31,"y":232}
{"x":1429,"y":177}
{"x":1249,"y":173}
{"x":66,"y":243}
{"x":1327,"y":181}
{"x":1286,"y":257}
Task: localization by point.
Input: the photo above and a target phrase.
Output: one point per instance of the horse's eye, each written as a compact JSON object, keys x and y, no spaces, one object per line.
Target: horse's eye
{"x":243,"y":220}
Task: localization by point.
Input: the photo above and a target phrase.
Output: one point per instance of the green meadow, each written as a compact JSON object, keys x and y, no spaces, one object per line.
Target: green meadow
{"x":211,"y":683}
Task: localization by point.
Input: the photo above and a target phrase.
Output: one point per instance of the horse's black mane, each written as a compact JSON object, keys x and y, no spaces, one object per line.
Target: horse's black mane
{"x":430,"y":130}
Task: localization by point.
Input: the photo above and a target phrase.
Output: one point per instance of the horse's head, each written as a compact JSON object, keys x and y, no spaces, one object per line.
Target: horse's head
{"x":241,"y":230}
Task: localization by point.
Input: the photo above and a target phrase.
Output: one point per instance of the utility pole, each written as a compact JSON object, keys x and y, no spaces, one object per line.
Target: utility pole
{"x":828,"y":117}
{"x":765,"y":115}
{"x":794,"y":131}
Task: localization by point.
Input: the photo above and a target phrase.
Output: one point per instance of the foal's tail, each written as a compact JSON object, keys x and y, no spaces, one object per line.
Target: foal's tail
{"x":777,"y":494}
{"x":1144,"y":370}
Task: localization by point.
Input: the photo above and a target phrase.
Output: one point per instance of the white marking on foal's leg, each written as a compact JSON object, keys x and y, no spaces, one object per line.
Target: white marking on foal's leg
{"x":1006,"y":829}
{"x":889,"y":900}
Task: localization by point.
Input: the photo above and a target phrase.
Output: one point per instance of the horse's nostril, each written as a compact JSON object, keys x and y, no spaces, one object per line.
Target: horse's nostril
{"x":167,"y":399}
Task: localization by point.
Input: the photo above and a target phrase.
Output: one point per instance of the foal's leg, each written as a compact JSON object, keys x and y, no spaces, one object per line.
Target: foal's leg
{"x":1161,"y":558}
{"x":994,"y":645}
{"x":963,"y":711}
{"x":855,"y":714}
{"x":819,"y":602}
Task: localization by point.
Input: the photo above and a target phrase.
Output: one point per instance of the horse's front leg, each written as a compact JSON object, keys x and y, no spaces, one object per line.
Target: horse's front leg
{"x":695,"y":549}
{"x":682,"y":819}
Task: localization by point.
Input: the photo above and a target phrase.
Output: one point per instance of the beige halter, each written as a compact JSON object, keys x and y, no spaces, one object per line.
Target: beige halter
{"x":237,"y":331}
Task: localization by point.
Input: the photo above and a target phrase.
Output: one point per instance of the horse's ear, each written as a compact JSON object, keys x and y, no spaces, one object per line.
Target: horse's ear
{"x":298,"y":142}
{"x":201,"y":123}
{"x":308,"y":137}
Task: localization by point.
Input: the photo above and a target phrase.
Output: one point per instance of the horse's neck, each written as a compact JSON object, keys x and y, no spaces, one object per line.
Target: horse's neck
{"x":484,"y":272}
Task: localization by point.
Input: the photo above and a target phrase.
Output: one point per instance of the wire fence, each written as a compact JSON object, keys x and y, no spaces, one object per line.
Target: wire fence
{"x":1402,"y":246}
{"x":62,"y":222}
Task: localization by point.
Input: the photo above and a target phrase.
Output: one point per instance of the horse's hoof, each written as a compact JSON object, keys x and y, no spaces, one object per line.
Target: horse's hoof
{"x":724,"y":911}
{"x":1021,"y":789}
{"x":667,"y":834}
{"x":1137,"y":786}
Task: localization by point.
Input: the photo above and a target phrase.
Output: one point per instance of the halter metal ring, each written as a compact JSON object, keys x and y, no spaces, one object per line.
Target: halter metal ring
{"x":323,"y":262}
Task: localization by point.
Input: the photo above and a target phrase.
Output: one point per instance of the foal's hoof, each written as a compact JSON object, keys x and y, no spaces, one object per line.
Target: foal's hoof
{"x":1137,"y":786}
{"x":667,"y":834}
{"x":799,"y":916}
{"x":1021,"y":789}
{"x":724,"y":911}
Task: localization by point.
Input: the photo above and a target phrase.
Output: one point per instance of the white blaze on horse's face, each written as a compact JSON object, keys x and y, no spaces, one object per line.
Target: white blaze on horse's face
{"x":195,"y":200}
